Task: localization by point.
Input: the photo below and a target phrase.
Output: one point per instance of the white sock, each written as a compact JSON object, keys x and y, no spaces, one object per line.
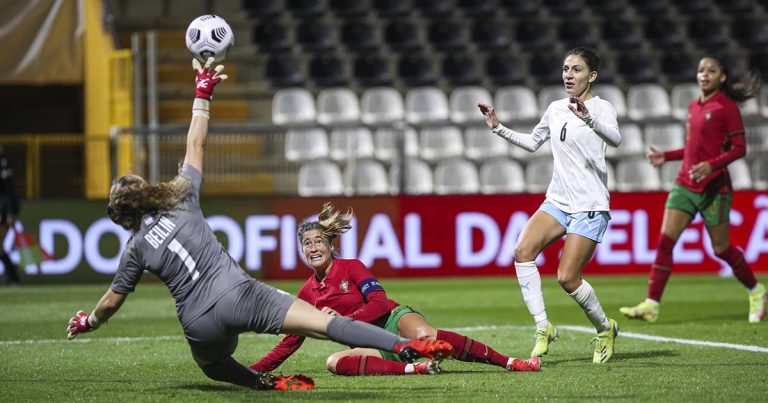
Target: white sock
{"x":530,"y":285}
{"x":409,"y":369}
{"x":586,"y":298}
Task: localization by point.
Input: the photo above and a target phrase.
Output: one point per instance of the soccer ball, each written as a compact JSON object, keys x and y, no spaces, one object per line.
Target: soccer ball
{"x":209,"y":36}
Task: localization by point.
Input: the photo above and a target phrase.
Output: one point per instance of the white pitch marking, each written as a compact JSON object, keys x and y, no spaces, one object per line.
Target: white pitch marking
{"x":580,"y":329}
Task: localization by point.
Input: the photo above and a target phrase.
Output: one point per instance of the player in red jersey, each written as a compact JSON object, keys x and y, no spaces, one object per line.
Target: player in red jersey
{"x":345,"y":287}
{"x":714,"y":138}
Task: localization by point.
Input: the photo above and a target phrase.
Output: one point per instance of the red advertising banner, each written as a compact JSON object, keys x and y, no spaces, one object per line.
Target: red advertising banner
{"x":476,"y":235}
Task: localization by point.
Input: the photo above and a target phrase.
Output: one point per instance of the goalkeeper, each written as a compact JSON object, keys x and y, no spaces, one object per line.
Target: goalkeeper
{"x":215,"y":299}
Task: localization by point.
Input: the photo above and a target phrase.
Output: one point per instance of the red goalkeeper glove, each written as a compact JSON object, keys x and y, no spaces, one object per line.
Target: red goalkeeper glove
{"x":80,"y":323}
{"x":207,"y":78}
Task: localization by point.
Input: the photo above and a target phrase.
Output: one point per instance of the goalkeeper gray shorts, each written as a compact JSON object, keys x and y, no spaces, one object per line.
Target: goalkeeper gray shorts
{"x":251,"y":306}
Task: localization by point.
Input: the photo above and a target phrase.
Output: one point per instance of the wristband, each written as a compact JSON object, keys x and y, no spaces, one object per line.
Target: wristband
{"x":201,"y":107}
{"x":588,"y":120}
{"x":94,"y":321}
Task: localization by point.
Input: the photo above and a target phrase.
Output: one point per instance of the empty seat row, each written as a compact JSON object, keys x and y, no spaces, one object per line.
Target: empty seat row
{"x":426,"y":105}
{"x":495,"y":176}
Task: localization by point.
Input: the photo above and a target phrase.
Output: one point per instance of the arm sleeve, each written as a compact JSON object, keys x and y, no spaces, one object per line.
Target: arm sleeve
{"x":129,"y":270}
{"x":279,"y":353}
{"x":376,"y":302}
{"x":196,"y":179}
{"x":606,"y":125}
{"x":738,"y":150}
{"x":735,"y":131}
{"x":673,"y":155}
{"x":528,"y":142}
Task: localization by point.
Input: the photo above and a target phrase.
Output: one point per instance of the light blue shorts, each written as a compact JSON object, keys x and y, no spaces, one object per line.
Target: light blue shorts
{"x":589,"y":224}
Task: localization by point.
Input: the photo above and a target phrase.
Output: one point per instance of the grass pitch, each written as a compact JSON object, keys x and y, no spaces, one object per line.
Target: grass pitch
{"x":701,"y":349}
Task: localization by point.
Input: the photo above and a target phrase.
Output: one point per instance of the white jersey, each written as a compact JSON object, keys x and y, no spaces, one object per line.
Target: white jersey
{"x":579,"y":179}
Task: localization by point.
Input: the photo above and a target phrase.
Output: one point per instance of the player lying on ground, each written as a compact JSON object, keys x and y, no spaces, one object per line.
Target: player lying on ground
{"x":345,"y":287}
{"x":215,"y":299}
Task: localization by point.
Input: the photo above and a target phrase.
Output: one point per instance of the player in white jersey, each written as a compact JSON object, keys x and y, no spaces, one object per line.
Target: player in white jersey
{"x":215,"y":299}
{"x":579,"y":127}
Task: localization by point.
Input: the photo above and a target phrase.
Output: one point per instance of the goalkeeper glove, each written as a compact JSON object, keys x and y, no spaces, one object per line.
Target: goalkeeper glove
{"x":207,"y":78}
{"x":81,"y":323}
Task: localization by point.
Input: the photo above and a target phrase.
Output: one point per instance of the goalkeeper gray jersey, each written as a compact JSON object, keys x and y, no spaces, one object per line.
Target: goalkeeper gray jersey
{"x":179,"y":247}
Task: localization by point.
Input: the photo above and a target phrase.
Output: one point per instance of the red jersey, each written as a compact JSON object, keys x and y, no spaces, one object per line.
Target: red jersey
{"x":716,"y":135}
{"x":348,"y":288}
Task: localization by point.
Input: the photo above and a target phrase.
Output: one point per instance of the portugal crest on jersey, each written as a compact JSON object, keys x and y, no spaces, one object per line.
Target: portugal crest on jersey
{"x":344,"y":286}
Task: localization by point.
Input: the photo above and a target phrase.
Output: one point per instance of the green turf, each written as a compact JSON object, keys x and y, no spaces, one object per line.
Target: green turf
{"x":157,"y":367}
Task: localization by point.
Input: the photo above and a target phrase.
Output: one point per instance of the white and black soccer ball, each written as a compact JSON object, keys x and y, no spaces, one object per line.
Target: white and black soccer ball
{"x":209,"y":36}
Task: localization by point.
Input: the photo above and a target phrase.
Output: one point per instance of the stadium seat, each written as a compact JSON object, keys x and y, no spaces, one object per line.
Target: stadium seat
{"x":307,"y":143}
{"x":270,"y":36}
{"x":490,"y":34}
{"x":759,"y":60}
{"x":549,"y":94}
{"x":538,"y":174}
{"x":573,"y":32}
{"x":631,"y":142}
{"x":480,"y":144}
{"x":320,"y":178}
{"x":763,"y":100}
{"x":651,"y":8}
{"x":371,"y":70}
{"x":348,"y":8}
{"x":669,"y":172}
{"x":357,"y":36}
{"x":757,"y":138}
{"x":459,"y":69}
{"x":501,"y":175}
{"x":707,"y":32}
{"x":504,"y":68}
{"x":386,"y":146}
{"x":564,"y":7}
{"x":432,"y":8}
{"x":614,"y":95}
{"x":282,"y":70}
{"x":546,"y":68}
{"x":647,"y":101}
{"x":366,"y":178}
{"x":313,"y":35}
{"x":534,"y":35}
{"x":637,"y":67}
{"x":416,"y":180}
{"x":351,"y":143}
{"x":476,"y":7}
{"x":381,"y":105}
{"x":620,"y":33}
{"x":636,"y":174}
{"x":741,"y":179}
{"x":415,"y":70}
{"x":305,"y":8}
{"x":737,"y":7}
{"x":514,"y":103}
{"x":392,"y":8}
{"x":445,"y":35}
{"x":681,"y":96}
{"x":665,"y":136}
{"x":258,"y":8}
{"x":401,"y":35}
{"x":750,"y":32}
{"x":463,"y":101}
{"x":760,"y":174}
{"x":337,"y":106}
{"x":440,"y":142}
{"x":327,"y":70}
{"x":610,"y":9}
{"x":698,"y":8}
{"x":521,"y":8}
{"x":664,"y":33}
{"x":426,"y":105}
{"x":456,"y":176}
{"x":292,"y":106}
{"x":678,"y":67}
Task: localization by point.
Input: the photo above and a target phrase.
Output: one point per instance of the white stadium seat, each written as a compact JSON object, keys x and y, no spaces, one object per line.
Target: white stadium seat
{"x":306,"y":143}
{"x":293,"y":106}
{"x":381,"y":105}
{"x":501,"y":175}
{"x":426,"y":105}
{"x":337,"y":106}
{"x":320,"y":178}
{"x":463,"y":104}
{"x":456,"y":176}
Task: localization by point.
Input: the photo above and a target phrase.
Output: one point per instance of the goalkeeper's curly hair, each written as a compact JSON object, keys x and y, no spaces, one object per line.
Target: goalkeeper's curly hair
{"x":131,"y":197}
{"x":330,"y":223}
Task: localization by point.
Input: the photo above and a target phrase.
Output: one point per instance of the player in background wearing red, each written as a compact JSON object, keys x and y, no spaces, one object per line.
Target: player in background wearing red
{"x":345,"y":287}
{"x":215,"y":299}
{"x":714,"y":139}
